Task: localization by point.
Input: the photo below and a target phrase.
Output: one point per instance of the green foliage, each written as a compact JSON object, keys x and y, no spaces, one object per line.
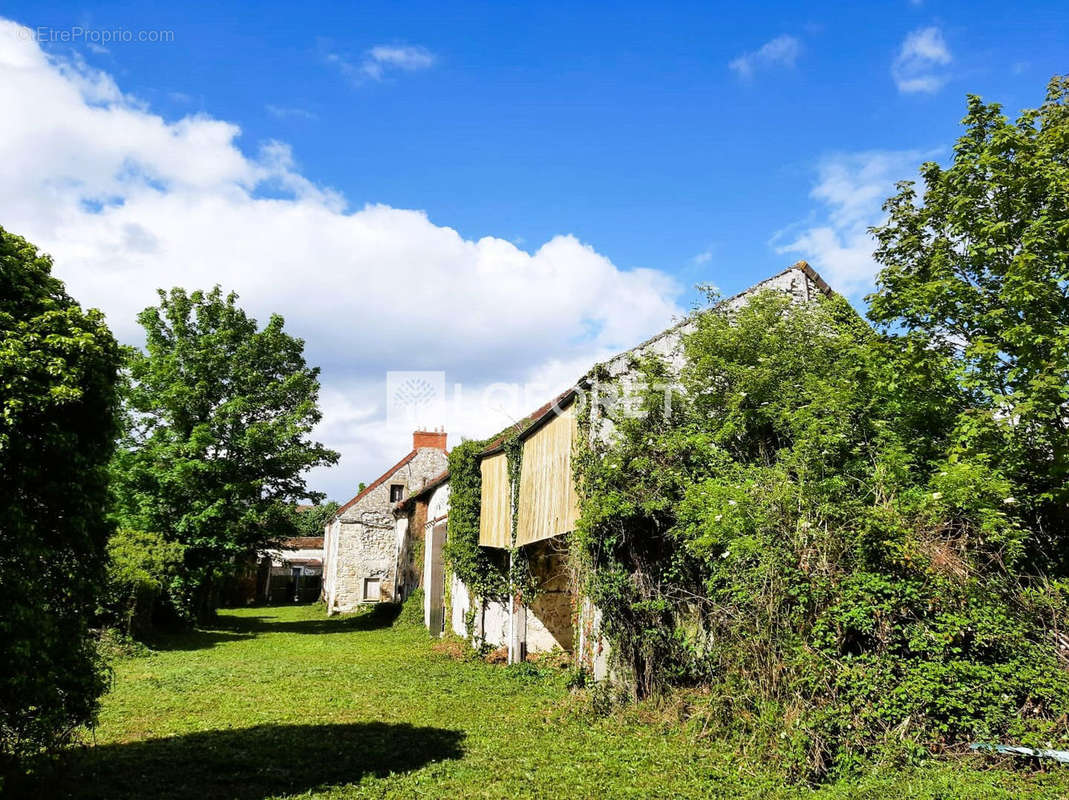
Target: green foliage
{"x":803,"y":534}
{"x":141,"y":566}
{"x":341,"y":709}
{"x":217,"y":444}
{"x":58,"y":373}
{"x":474,"y":565}
{"x":412,"y":610}
{"x":979,"y":272}
{"x":310,"y":521}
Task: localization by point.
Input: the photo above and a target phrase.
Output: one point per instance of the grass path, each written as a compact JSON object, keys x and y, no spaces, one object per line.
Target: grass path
{"x":282,"y":702}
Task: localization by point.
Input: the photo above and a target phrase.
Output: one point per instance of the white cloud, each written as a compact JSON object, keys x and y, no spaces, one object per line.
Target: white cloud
{"x":704,"y":257}
{"x":851,"y":188}
{"x":916,"y":68}
{"x":400,"y":57}
{"x":127,"y":202}
{"x":783,"y":51}
{"x":381,"y":60}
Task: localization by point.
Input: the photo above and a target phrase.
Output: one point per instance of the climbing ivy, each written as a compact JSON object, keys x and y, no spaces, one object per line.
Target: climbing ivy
{"x":473,"y":565}
{"x":806,"y":535}
{"x":487,"y":572}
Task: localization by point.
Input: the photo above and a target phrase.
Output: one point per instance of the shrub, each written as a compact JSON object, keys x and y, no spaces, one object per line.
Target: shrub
{"x":141,"y":565}
{"x":803,"y":534}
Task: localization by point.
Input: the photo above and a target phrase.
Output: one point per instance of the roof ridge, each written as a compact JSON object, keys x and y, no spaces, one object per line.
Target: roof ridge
{"x":533,"y":419}
{"x":375,"y":483}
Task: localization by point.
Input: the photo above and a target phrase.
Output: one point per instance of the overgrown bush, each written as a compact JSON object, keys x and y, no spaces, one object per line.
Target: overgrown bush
{"x":58,"y":370}
{"x":858,"y":538}
{"x":804,"y":533}
{"x":141,"y":565}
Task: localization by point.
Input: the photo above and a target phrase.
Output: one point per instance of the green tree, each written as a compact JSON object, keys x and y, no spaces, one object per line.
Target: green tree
{"x":977,"y":269}
{"x":310,"y":520}
{"x":220,"y":415}
{"x":58,"y":410}
{"x":141,"y":565}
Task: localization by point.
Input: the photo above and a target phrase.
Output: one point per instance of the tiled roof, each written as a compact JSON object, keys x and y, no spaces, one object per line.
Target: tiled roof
{"x":302,"y":543}
{"x":532,"y":421}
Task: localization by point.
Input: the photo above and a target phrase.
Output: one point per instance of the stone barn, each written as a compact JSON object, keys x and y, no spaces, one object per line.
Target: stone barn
{"x":361,"y":550}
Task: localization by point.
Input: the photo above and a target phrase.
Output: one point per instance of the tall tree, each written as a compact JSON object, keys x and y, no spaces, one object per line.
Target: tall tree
{"x":310,"y":520}
{"x":58,"y":409}
{"x":220,"y":416}
{"x":979,"y":270}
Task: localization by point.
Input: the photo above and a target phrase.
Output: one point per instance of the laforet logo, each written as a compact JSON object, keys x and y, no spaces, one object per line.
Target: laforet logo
{"x":415,"y":397}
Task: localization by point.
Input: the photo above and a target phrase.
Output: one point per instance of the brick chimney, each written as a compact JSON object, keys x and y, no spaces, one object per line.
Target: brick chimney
{"x":433,"y":439}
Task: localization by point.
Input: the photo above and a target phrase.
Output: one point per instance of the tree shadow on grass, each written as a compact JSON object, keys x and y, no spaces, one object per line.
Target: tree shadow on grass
{"x":376,"y":617}
{"x":248,"y":763}
{"x":193,"y":639}
{"x":228,"y":628}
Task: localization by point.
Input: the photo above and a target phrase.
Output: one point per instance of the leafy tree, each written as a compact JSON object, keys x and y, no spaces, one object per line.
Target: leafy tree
{"x":58,"y":409}
{"x":977,"y":269}
{"x":859,"y":537}
{"x":310,"y":520}
{"x":220,"y":415}
{"x":141,"y":566}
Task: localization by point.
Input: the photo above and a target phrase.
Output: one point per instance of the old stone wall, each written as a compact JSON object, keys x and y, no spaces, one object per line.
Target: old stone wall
{"x":363,"y":539}
{"x":799,"y":281}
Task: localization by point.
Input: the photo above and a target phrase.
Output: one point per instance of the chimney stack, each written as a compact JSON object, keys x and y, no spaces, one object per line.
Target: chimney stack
{"x":434,"y":439}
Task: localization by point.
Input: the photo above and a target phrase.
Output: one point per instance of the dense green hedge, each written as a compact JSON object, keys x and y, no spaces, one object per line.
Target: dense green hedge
{"x":58,"y":370}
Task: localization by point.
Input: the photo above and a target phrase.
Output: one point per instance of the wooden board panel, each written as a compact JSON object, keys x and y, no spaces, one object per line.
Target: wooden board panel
{"x":548,"y":504}
{"x":495,"y":519}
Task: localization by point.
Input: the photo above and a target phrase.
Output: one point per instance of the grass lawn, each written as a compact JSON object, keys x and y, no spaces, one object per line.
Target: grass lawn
{"x":283,"y":702}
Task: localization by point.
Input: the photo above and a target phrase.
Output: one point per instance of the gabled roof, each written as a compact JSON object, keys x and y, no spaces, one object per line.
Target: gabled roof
{"x":302,"y":543}
{"x":530,"y":424}
{"x":375,"y":484}
{"x":542,"y":415}
{"x":801,"y":266}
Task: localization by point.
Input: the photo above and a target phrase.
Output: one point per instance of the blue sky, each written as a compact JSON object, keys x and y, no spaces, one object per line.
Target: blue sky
{"x":679,"y":143}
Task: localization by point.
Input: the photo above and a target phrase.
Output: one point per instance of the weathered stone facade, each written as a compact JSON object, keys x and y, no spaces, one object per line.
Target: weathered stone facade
{"x":361,"y":549}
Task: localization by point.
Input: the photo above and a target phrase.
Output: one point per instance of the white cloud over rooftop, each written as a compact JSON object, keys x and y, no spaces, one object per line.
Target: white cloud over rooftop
{"x":127,"y":201}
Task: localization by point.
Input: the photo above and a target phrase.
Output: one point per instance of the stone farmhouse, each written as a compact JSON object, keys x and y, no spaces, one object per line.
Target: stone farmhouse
{"x":360,"y":548}
{"x":546,"y":510}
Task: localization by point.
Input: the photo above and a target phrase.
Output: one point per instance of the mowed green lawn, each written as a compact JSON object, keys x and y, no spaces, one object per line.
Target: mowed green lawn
{"x":283,"y":702}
